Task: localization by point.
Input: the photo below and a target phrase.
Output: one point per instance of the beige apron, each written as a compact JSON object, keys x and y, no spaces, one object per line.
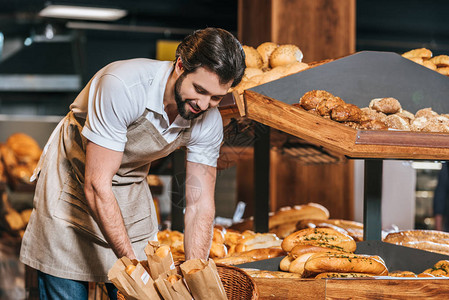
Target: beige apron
{"x":62,"y":239}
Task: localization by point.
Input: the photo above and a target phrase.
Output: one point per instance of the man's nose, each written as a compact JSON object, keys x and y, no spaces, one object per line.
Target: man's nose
{"x":204,"y":102}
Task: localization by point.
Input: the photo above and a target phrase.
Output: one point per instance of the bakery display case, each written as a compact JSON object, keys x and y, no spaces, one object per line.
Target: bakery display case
{"x":357,"y":79}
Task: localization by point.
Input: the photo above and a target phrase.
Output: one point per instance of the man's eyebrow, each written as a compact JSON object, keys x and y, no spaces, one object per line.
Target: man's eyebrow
{"x":204,"y":91}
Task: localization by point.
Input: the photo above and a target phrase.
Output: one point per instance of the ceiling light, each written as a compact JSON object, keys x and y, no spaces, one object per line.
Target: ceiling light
{"x":82,"y":13}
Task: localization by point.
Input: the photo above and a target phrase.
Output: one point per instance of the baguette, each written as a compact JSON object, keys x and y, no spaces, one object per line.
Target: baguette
{"x":297,"y":266}
{"x":345,"y":263}
{"x":319,"y":237}
{"x":299,"y":212}
{"x":250,"y":256}
{"x":341,"y":275}
{"x":270,"y":274}
{"x":284,"y":265}
{"x":299,"y":250}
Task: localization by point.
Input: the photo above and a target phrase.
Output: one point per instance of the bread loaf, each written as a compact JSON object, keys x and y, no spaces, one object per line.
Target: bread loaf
{"x":252,"y":57}
{"x":341,"y":275}
{"x":252,"y":255}
{"x":319,"y":237}
{"x":299,"y":250}
{"x":299,"y":212}
{"x":345,"y":263}
{"x":284,"y":55}
{"x":265,"y":50}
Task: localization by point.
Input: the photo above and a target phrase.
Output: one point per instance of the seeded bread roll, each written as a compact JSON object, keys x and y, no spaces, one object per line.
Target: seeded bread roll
{"x":252,"y":57}
{"x":319,"y":237}
{"x":265,"y":50}
{"x":284,"y":55}
{"x":345,"y":263}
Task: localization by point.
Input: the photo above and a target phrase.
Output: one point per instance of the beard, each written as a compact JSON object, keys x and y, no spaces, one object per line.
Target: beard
{"x":184,"y":104}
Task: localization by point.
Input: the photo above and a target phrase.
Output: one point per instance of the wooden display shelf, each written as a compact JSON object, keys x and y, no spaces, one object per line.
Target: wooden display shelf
{"x":385,"y":144}
{"x":353,"y":288}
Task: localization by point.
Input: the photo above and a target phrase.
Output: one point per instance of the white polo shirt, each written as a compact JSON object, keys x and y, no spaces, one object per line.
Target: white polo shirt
{"x":119,"y":94}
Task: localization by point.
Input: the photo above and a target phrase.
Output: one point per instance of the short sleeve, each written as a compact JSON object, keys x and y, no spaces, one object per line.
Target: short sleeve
{"x":206,"y":138}
{"x":110,"y":111}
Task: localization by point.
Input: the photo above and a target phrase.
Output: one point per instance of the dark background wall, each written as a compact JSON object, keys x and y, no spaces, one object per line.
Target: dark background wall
{"x":383,"y":25}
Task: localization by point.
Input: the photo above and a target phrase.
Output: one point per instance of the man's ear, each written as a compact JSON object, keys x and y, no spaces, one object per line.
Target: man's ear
{"x":178,"y":66}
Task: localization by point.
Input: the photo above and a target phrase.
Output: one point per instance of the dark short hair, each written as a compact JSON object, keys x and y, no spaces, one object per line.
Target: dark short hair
{"x":215,"y":49}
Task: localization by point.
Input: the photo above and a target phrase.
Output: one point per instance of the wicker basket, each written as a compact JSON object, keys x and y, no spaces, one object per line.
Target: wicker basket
{"x":236,"y":282}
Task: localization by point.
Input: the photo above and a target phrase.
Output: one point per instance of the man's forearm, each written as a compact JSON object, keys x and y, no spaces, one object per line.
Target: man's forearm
{"x":198,"y":232}
{"x":107,"y":214}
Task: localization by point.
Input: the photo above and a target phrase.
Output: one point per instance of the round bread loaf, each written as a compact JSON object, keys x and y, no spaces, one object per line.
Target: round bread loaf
{"x":265,"y":50}
{"x":252,"y":57}
{"x":284,"y":55}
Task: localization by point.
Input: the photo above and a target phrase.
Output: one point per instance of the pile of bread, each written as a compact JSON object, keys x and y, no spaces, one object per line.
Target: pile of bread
{"x":229,"y":246}
{"x":325,"y":253}
{"x":19,"y":157}
{"x":158,"y":278}
{"x":424,"y":56}
{"x":381,"y":113}
{"x":269,"y":62}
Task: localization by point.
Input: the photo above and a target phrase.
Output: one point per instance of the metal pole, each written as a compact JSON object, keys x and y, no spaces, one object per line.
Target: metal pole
{"x":261,"y":177}
{"x":372,"y":213}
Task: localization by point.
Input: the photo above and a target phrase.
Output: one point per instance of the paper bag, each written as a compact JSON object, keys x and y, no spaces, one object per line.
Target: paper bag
{"x":123,"y":281}
{"x":203,"y":280}
{"x":159,"y":265}
{"x":137,"y":286}
{"x":172,"y":291}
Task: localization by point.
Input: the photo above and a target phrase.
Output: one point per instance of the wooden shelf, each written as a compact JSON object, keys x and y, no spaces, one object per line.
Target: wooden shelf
{"x":352,"y":288}
{"x":343,"y":139}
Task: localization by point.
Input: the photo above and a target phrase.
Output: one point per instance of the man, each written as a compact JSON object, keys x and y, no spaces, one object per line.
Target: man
{"x":92,"y":204}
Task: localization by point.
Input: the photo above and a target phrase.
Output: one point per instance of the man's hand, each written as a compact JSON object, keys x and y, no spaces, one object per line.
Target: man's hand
{"x":101,"y":166}
{"x":200,"y":210}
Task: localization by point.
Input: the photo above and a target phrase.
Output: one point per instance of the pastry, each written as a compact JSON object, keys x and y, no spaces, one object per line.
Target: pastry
{"x":421,"y":52}
{"x":397,"y":122}
{"x":311,"y":99}
{"x":440,"y":60}
{"x":387,"y":105}
{"x":346,"y":112}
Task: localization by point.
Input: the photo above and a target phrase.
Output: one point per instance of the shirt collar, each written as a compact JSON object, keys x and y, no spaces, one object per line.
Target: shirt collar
{"x":159,"y":81}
